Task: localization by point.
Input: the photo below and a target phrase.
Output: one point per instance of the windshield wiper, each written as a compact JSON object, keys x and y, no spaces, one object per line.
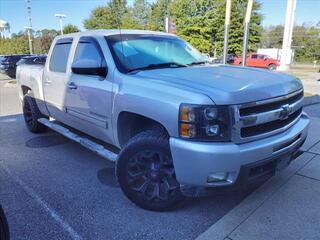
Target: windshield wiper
{"x":198,"y":63}
{"x":158,"y":66}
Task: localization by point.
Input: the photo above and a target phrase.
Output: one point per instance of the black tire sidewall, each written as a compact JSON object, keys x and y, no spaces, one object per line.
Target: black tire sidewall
{"x":271,"y":67}
{"x":154,"y":143}
{"x":35,"y":127}
{"x":4,"y":229}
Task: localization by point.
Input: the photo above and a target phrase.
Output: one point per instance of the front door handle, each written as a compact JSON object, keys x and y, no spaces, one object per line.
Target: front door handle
{"x":72,"y":85}
{"x":47,"y":82}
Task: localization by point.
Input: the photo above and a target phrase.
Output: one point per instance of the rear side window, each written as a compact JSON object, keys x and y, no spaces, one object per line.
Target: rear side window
{"x":59,"y":56}
{"x":89,"y":49}
{"x":254,"y":56}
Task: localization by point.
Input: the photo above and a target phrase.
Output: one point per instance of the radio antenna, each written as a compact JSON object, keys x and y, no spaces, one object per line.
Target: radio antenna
{"x":118,"y":16}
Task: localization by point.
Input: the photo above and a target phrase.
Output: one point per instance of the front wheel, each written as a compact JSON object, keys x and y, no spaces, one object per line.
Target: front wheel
{"x":146,"y":174}
{"x":272,"y":67}
{"x":4,"y":229}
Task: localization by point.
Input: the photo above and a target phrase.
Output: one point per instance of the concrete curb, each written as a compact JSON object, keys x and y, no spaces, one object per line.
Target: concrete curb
{"x":232,"y":220}
{"x":315,"y":99}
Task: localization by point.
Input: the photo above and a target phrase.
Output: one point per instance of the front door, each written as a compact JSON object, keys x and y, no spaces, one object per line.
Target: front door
{"x":89,"y":97}
{"x":252,"y":60}
{"x":55,"y":78}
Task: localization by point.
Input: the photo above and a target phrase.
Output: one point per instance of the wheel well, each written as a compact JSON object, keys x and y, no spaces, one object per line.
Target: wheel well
{"x":25,"y":89}
{"x":130,"y":124}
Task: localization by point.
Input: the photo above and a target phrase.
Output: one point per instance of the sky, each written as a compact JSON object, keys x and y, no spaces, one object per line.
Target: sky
{"x":14,"y":12}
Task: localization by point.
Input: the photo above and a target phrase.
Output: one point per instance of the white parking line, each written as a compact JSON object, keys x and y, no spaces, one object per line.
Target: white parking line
{"x":6,"y":120}
{"x":74,"y":235}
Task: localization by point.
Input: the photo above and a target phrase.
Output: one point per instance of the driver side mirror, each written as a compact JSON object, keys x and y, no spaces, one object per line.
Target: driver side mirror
{"x":89,"y":67}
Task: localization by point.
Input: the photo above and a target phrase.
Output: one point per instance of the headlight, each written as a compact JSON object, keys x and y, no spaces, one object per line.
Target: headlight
{"x":205,"y":122}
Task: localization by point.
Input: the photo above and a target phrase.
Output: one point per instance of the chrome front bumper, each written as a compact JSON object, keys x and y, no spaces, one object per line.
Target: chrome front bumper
{"x":195,"y":161}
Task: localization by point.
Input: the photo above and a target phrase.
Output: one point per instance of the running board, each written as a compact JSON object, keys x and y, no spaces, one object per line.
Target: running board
{"x":87,"y":143}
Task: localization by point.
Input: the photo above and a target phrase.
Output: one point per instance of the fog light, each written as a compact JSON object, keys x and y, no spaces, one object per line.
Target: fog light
{"x":213,"y":130}
{"x":217,"y":177}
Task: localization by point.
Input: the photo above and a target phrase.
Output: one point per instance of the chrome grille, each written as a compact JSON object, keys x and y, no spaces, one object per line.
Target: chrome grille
{"x":267,"y":117}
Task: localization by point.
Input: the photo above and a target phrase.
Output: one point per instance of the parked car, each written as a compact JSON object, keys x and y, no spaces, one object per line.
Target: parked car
{"x":33,"y":60}
{"x":8,"y":64}
{"x":259,"y":61}
{"x":178,"y":124}
{"x":219,"y":60}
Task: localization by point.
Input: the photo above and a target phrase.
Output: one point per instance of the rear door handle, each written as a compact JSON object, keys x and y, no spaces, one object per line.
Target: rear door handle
{"x":72,"y":85}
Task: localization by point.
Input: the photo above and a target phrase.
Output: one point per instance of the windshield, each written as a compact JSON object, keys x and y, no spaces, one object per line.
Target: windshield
{"x":142,"y":51}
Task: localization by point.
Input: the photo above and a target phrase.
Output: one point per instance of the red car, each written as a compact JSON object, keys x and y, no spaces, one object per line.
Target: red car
{"x":259,"y":60}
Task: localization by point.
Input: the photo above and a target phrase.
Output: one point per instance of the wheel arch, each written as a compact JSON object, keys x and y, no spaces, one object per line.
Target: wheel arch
{"x":130,"y":124}
{"x":25,"y":90}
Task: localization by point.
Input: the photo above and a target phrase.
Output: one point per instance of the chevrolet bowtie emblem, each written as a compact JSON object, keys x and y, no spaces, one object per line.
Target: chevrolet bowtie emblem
{"x":285,"y":111}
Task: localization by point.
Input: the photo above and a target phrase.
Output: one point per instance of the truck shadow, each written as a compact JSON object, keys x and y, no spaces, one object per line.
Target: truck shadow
{"x":48,"y":140}
{"x":106,"y":176}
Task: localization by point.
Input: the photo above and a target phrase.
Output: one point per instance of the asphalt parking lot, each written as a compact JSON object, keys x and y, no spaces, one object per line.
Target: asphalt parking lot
{"x":52,"y":188}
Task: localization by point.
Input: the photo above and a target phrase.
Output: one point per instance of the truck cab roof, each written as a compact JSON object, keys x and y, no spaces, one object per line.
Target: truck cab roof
{"x":109,"y":32}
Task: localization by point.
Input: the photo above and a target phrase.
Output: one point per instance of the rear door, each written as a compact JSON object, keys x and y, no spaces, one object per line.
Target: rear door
{"x":55,"y":78}
{"x":89,"y":97}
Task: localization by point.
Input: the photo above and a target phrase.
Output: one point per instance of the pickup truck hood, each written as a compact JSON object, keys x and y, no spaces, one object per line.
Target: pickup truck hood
{"x":227,"y":84}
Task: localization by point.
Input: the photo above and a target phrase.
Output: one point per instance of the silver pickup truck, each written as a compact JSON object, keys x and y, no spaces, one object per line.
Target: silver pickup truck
{"x":176,"y":124}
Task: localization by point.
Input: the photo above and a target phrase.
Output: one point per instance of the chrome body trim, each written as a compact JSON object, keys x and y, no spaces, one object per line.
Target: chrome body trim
{"x":251,"y":120}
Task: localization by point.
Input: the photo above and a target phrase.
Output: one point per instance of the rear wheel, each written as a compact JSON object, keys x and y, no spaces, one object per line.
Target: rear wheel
{"x":272,"y":67}
{"x":31,"y":114}
{"x":146,"y":174}
{"x":4,"y":229}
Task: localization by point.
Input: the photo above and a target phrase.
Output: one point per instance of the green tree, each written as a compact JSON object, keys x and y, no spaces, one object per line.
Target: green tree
{"x":201,"y":22}
{"x":305,"y":41}
{"x":141,"y":13}
{"x":272,"y":37}
{"x":43,"y":39}
{"x":110,"y":16}
{"x":159,"y":11}
{"x":16,"y":45}
{"x":69,"y":28}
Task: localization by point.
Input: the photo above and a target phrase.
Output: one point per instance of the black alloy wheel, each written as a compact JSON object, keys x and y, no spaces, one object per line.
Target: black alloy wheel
{"x":146,"y":172}
{"x":31,"y":114}
{"x":151,"y":175}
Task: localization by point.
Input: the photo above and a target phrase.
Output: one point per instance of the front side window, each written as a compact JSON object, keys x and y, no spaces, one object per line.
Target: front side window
{"x":254,"y":56}
{"x":88,"y":50}
{"x":59,"y":57}
{"x":133,"y":51}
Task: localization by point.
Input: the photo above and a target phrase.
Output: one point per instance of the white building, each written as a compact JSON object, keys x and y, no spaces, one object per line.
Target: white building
{"x":4,"y":29}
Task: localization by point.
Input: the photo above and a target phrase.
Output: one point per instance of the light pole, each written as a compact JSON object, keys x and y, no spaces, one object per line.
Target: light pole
{"x":60,"y":16}
{"x":29,"y":29}
{"x":287,"y":36}
{"x":246,"y":32}
{"x":226,"y":31}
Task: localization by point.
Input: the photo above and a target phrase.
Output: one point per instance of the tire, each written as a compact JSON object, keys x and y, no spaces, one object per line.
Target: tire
{"x":4,"y":229}
{"x":272,"y":67}
{"x":31,"y":114}
{"x":146,"y":174}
